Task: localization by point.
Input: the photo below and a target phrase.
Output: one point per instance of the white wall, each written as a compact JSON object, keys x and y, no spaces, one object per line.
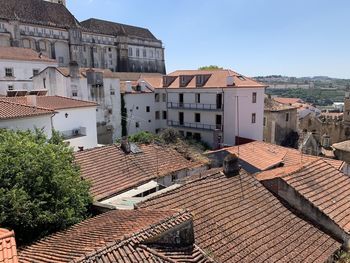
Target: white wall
{"x":23,"y":71}
{"x":41,"y":122}
{"x":78,"y":117}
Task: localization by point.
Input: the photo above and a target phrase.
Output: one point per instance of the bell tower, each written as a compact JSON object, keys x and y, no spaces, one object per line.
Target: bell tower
{"x":63,"y":2}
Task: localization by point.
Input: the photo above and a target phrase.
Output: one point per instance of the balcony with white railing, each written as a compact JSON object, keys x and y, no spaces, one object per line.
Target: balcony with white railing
{"x":195,"y":106}
{"x":196,"y":126}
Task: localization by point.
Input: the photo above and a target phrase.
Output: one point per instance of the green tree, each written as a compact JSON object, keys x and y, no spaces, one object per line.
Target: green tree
{"x":40,"y":186}
{"x":210,"y":67}
{"x":142,"y":137}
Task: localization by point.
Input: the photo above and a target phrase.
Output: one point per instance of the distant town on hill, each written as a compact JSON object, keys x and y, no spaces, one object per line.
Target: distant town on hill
{"x":319,"y":90}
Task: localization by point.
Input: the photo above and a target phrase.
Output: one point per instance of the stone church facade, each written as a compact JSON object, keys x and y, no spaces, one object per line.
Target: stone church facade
{"x":49,"y":27}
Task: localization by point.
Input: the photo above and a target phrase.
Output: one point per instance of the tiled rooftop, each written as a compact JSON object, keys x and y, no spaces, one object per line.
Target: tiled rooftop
{"x":289,"y":101}
{"x":24,"y":54}
{"x":37,"y":12}
{"x":272,"y":105}
{"x":264,"y":155}
{"x":322,"y":185}
{"x":238,"y":220}
{"x":115,"y":236}
{"x":8,"y":250}
{"x":111,"y":171}
{"x":10,"y":110}
{"x":52,"y":102}
{"x":216,"y":79}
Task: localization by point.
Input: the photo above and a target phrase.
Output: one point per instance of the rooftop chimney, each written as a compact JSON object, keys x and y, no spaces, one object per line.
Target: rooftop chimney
{"x":31,"y":100}
{"x":125,"y":145}
{"x":231,"y":165}
{"x":74,"y":69}
{"x":230,"y":81}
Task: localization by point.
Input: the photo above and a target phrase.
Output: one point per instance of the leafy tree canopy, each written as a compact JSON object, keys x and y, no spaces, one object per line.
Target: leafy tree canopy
{"x":40,"y":186}
{"x":210,"y":67}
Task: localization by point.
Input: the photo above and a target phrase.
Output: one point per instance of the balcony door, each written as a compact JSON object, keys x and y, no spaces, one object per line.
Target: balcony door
{"x":181,"y":99}
{"x":219,"y":101}
{"x":218,"y":122}
{"x":181,"y":118}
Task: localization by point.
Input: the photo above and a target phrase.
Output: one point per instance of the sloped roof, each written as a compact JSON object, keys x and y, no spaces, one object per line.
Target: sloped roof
{"x":272,"y":105}
{"x":37,"y":12}
{"x":111,"y":171}
{"x":116,"y":29}
{"x":263,"y":155}
{"x":8,"y":249}
{"x":115,"y":236}
{"x":238,"y":220}
{"x":322,"y":185}
{"x":52,"y":102}
{"x":342,"y":146}
{"x":11,"y":110}
{"x":23,"y":54}
{"x":288,"y":101}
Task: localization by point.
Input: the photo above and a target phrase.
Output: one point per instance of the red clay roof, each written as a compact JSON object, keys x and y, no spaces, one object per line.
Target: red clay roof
{"x":264,"y":155}
{"x":11,"y":110}
{"x":8,"y":250}
{"x":52,"y":102}
{"x":216,"y":79}
{"x":289,"y":101}
{"x":237,"y":220}
{"x":23,"y":54}
{"x":114,"y":236}
{"x":272,"y":105}
{"x":325,"y":187}
{"x":111,"y":171}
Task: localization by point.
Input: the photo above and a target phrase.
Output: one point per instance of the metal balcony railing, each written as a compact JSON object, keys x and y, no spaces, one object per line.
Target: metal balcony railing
{"x":195,"y":106}
{"x":70,"y":134}
{"x":197,"y":126}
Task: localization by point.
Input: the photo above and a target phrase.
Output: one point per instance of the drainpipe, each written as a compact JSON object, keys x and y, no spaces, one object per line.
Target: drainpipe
{"x":51,"y":118}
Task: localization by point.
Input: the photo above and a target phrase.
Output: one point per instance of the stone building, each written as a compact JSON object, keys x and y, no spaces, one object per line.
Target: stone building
{"x":329,"y":129}
{"x":49,"y":27}
{"x":280,"y":123}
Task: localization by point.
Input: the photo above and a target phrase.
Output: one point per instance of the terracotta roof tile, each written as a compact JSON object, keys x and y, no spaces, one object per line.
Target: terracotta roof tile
{"x":25,"y":54}
{"x":264,"y":155}
{"x":289,"y":101}
{"x":113,"y":234}
{"x":8,"y":249}
{"x":238,"y":220}
{"x":52,"y":102}
{"x":272,"y":105}
{"x":322,"y":185}
{"x":11,"y":110}
{"x":111,"y":171}
{"x":37,"y":12}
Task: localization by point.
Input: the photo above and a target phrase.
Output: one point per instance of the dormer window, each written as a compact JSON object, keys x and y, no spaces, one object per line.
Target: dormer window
{"x":240,"y":77}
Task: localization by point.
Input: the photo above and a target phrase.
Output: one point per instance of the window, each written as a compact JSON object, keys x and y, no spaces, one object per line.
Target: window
{"x":197,"y":117}
{"x":264,"y":121}
{"x":165,"y":115}
{"x":148,"y":109}
{"x":112,"y":92}
{"x":182,"y":133}
{"x":188,"y":134}
{"x":130,"y":52}
{"x":253,"y":118}
{"x":95,"y":49}
{"x":137,"y":52}
{"x":42,"y":45}
{"x":157,"y":115}
{"x":156,"y":97}
{"x":10,"y":87}
{"x":75,"y":94}
{"x":254,"y":97}
{"x":164,"y":97}
{"x":137,"y":124}
{"x":198,"y":98}
{"x":9,"y":72}
{"x":174,"y":177}
{"x":35,"y":72}
{"x":109,"y":49}
{"x":144,"y":53}
{"x":151,"y":54}
{"x":287,"y":117}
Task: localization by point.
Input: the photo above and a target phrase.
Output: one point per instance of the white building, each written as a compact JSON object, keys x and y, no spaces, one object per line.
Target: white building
{"x":16,"y":116}
{"x":216,"y":107}
{"x":17,"y":67}
{"x":74,"y":119}
{"x":100,"y":86}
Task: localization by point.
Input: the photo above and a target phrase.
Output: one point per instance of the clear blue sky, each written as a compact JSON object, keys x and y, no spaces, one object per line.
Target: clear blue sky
{"x":253,"y":37}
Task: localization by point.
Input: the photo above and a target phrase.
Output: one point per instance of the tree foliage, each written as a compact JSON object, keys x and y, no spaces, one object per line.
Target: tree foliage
{"x":210,"y":67}
{"x":40,"y":186}
{"x":142,"y":137}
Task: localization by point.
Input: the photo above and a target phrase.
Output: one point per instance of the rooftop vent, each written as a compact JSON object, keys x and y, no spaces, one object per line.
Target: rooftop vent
{"x":231,"y":165}
{"x":125,"y":145}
